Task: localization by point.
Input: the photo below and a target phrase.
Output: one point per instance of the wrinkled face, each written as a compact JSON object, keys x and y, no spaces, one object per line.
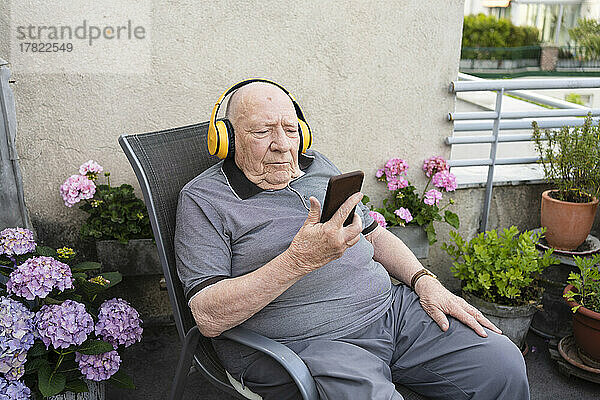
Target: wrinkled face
{"x":266,"y":135}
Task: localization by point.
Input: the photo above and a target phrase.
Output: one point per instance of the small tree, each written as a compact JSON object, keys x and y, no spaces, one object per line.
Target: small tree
{"x":587,"y":35}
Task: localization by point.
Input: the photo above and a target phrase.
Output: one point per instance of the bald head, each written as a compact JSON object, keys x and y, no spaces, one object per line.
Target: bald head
{"x":248,"y":95}
{"x":266,"y":134}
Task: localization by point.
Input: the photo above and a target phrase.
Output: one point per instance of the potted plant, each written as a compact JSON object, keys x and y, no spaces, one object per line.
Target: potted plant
{"x":583,"y":296}
{"x":57,"y":336}
{"x":410,"y":214}
{"x":499,"y":274}
{"x":571,"y":161}
{"x":118,"y":221}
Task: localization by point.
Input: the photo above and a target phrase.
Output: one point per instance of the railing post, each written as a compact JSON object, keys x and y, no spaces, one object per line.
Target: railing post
{"x":493,"y":149}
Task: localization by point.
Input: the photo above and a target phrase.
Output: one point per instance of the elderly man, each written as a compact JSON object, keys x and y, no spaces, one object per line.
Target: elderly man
{"x":251,"y":251}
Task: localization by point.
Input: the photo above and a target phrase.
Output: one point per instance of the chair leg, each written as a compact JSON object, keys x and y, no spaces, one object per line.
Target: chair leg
{"x":185,"y":361}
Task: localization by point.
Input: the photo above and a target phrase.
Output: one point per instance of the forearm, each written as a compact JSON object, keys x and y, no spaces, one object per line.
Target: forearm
{"x":394,"y":255}
{"x":230,"y":302}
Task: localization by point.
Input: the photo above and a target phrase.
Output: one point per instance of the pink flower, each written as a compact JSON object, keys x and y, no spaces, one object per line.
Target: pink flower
{"x":90,"y":167}
{"x":444,"y":179}
{"x":379,"y":218}
{"x":379,"y":173}
{"x":77,"y":188}
{"x":397,"y":183}
{"x":432,"y":197}
{"x":434,"y":164}
{"x":394,"y":167}
{"x":404,"y":214}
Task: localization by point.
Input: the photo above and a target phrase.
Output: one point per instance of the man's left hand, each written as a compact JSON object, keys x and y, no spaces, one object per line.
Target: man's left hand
{"x":437,"y":301}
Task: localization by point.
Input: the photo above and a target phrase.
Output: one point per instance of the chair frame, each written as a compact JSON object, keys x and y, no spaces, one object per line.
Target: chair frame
{"x":289,"y":360}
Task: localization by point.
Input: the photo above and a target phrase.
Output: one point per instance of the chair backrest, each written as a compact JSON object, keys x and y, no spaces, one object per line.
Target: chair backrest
{"x":164,"y":162}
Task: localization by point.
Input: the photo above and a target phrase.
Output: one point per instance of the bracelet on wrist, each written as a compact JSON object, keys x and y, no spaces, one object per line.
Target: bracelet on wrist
{"x":420,"y":274}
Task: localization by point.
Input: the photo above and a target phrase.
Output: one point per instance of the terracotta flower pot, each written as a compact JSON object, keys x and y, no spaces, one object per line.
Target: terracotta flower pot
{"x":567,"y":224}
{"x":586,"y":329}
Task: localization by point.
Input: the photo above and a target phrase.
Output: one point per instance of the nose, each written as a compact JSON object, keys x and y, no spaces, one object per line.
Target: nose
{"x":281,"y":142}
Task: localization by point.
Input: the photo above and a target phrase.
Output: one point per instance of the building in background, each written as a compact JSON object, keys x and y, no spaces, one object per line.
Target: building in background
{"x":553,"y":18}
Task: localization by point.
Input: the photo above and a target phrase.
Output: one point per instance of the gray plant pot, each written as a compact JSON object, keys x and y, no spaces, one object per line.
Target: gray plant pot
{"x":513,"y":321}
{"x":97,"y":391}
{"x":137,"y":257}
{"x":414,"y":237}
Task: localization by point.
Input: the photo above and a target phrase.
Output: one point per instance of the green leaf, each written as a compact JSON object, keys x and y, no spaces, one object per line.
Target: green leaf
{"x":77,"y":386}
{"x":45,"y":251}
{"x":365,"y":199}
{"x":94,"y":346}
{"x":33,"y":365}
{"x":122,"y":380}
{"x":86,"y":266}
{"x":49,"y":384}
{"x":431,"y":236}
{"x":452,"y":219}
{"x":113,"y":277}
{"x":38,"y":349}
{"x":50,"y":300}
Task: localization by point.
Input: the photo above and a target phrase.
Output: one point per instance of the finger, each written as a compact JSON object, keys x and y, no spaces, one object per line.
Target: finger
{"x":486,"y":322}
{"x":352,"y":231}
{"x":438,"y":316}
{"x":314,"y":214}
{"x":470,"y":321}
{"x":345,"y":209}
{"x":480,"y":317}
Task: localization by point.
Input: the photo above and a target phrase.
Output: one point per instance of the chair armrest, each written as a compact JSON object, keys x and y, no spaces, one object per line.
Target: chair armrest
{"x":282,"y":354}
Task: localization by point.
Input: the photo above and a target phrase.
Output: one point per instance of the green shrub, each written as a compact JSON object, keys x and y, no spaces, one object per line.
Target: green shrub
{"x":587,"y":35}
{"x":571,"y":160}
{"x":488,"y":31}
{"x":116,"y":213}
{"x":499,"y":268}
{"x":586,"y":284}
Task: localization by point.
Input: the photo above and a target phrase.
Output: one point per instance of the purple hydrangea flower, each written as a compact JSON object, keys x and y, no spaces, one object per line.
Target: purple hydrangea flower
{"x":63,"y":325}
{"x":395,"y":167}
{"x":397,"y":183}
{"x":379,"y":173}
{"x":38,"y":276}
{"x":118,"y":323}
{"x":14,"y":390}
{"x":379,"y":218}
{"x":433,"y":165}
{"x":444,"y":179}
{"x":77,"y":188}
{"x":90,"y":168}
{"x":432,"y":197}
{"x":15,"y":366}
{"x":98,"y":367}
{"x":16,"y":337}
{"x":16,"y":241}
{"x":404,"y":214}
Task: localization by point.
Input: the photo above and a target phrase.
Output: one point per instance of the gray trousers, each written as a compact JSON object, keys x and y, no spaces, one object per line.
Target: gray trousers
{"x":405,"y":346}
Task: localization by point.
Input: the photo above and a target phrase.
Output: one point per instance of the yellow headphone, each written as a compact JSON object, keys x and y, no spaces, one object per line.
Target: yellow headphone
{"x":220,"y":133}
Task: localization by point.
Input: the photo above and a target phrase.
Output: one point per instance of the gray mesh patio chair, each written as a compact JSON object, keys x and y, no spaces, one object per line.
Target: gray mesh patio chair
{"x":164,"y":162}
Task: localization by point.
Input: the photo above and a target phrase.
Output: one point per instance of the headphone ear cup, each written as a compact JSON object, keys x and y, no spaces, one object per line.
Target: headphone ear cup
{"x":305,"y":136}
{"x":230,"y":138}
{"x":224,"y":138}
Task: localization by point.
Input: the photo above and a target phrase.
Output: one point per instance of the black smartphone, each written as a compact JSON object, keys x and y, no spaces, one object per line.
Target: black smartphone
{"x":339,"y":188}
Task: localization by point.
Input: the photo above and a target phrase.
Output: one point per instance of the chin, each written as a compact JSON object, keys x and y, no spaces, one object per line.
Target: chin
{"x":279,"y":178}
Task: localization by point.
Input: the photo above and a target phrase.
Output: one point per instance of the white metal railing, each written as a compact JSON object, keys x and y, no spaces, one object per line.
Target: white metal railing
{"x":495,"y":121}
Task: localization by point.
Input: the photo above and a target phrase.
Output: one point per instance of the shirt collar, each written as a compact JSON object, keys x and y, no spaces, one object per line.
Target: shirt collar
{"x":241,"y":186}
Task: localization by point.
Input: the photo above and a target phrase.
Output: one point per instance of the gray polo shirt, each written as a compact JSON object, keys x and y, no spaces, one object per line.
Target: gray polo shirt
{"x":227,"y":227}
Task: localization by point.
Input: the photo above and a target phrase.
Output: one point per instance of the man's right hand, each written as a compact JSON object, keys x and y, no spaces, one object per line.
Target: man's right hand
{"x":317,"y":243}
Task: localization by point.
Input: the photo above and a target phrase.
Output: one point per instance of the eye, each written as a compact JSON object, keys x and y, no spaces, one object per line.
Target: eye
{"x":261,"y":133}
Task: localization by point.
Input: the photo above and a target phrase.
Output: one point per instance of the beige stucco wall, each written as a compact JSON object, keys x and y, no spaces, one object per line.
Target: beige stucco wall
{"x":371,"y":76}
